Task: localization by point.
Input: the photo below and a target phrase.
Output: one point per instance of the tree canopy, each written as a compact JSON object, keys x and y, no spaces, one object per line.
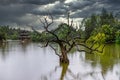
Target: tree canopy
{"x":104,"y":25}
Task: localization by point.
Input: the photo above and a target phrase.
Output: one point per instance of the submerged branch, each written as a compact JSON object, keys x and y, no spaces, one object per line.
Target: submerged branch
{"x":91,"y":49}
{"x":81,"y":50}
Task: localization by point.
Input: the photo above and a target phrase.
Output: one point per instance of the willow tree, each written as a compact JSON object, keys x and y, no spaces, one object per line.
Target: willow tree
{"x":66,"y":37}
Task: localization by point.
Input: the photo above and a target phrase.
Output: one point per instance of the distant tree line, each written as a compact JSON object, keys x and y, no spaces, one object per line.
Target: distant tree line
{"x":103,"y":28}
{"x":9,"y":33}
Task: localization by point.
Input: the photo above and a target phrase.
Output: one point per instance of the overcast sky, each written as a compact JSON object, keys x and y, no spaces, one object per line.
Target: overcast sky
{"x":28,"y":12}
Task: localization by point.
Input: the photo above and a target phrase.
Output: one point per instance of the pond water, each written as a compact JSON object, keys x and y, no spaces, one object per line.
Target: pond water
{"x":31,"y":62}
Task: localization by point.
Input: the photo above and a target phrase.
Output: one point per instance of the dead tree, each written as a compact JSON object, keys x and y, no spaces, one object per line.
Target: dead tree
{"x":66,"y":43}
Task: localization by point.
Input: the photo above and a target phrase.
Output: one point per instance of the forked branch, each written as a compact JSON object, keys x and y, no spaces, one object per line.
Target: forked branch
{"x":55,"y":51}
{"x":47,"y":24}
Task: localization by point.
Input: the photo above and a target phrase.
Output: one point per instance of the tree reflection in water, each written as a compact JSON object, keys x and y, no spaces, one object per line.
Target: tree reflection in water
{"x":63,"y":66}
{"x":2,"y":49}
{"x":82,"y":66}
{"x":67,"y":74}
{"x":83,"y":69}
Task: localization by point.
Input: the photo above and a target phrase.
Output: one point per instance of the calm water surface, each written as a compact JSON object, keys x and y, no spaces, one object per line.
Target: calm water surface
{"x":31,"y":62}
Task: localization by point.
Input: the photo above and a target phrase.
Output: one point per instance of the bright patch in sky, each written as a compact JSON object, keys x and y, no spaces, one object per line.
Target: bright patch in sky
{"x":68,"y":1}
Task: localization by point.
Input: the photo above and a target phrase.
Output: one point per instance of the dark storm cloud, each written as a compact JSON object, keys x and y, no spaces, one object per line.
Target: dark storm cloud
{"x":11,"y":13}
{"x":113,"y":1}
{"x":88,"y":7}
{"x":58,"y":8}
{"x":24,"y":12}
{"x":114,"y":5}
{"x":79,"y":4}
{"x":7,"y":2}
{"x":36,"y":2}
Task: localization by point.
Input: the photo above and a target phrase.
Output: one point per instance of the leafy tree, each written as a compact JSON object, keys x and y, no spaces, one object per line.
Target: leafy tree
{"x":103,"y":34}
{"x":104,"y":23}
{"x":14,"y":36}
{"x":2,"y":33}
{"x":35,"y":36}
{"x":65,"y":36}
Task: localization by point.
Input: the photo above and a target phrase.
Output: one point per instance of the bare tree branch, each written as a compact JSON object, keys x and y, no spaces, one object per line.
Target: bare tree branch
{"x":46,"y":24}
{"x":42,"y":22}
{"x":51,"y":21}
{"x":55,"y":50}
{"x":34,"y":29}
{"x":84,"y":45}
{"x":91,"y":50}
{"x":71,"y":23}
{"x":81,"y":50}
{"x":46,"y":44}
{"x":71,"y":46}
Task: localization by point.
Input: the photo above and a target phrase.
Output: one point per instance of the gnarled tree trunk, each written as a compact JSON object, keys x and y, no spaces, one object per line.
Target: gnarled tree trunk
{"x":63,"y":57}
